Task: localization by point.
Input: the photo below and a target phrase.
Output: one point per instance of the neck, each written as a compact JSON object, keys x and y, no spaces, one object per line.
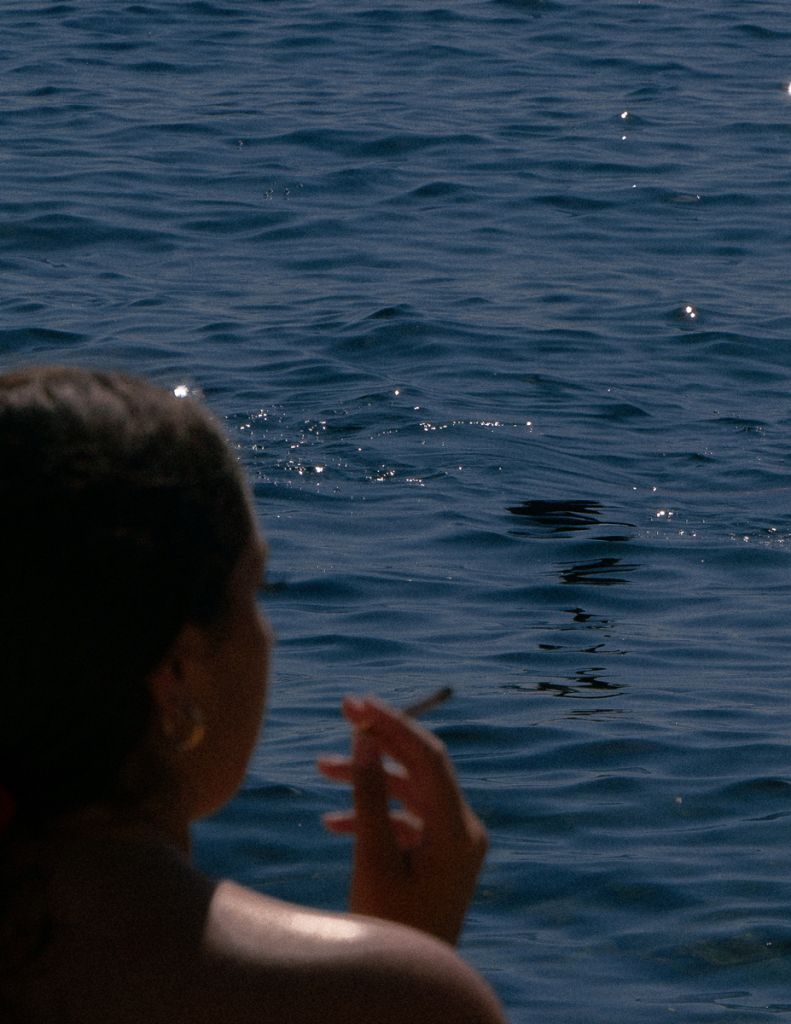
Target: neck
{"x":148,"y":824}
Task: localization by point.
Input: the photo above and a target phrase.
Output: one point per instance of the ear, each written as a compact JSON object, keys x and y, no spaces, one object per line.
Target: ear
{"x":176,"y":684}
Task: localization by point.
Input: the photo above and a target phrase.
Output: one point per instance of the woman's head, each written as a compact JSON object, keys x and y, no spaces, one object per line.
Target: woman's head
{"x":123,"y":515}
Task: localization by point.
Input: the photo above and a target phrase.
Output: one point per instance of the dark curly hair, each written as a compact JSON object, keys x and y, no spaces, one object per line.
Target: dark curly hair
{"x":122,"y":515}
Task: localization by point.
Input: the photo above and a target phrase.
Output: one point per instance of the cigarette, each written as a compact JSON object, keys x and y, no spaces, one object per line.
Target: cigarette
{"x":420,"y":707}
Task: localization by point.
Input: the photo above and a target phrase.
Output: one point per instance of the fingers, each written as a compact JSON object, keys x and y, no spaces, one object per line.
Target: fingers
{"x":424,"y":781}
{"x":417,"y":866}
{"x":408,"y":831}
{"x":339,"y":769}
{"x":376,"y":844}
{"x":398,"y":735}
{"x":407,"y":828}
{"x":433,"y":792}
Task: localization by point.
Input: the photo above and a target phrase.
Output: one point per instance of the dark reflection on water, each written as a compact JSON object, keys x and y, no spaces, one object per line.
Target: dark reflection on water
{"x":588,"y":681}
{"x":570,"y":516}
{"x":597,"y":573}
{"x":560,"y":516}
{"x":584,"y":683}
{"x":561,"y":520}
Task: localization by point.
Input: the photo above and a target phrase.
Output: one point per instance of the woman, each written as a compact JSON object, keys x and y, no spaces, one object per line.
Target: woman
{"x":134,"y":678}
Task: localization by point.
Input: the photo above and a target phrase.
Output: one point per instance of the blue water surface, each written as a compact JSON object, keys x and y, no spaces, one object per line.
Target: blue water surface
{"x":493,"y":299}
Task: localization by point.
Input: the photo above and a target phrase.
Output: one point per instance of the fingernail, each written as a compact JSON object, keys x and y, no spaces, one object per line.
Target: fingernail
{"x":353,"y":708}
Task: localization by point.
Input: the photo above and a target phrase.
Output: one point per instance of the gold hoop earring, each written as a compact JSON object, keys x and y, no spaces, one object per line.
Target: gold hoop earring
{"x":197,"y":733}
{"x":171,"y":726}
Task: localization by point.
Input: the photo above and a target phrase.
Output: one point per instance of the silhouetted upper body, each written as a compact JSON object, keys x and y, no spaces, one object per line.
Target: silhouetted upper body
{"x":134,"y":687}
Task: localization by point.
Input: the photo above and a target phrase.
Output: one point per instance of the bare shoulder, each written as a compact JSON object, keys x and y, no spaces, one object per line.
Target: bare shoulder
{"x":160,"y":942}
{"x":310,"y":966}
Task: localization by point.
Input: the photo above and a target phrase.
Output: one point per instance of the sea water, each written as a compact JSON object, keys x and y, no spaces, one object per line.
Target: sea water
{"x":493,"y":298}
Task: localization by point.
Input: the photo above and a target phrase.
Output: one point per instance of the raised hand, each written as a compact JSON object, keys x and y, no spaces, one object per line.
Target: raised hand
{"x":416,"y":866}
